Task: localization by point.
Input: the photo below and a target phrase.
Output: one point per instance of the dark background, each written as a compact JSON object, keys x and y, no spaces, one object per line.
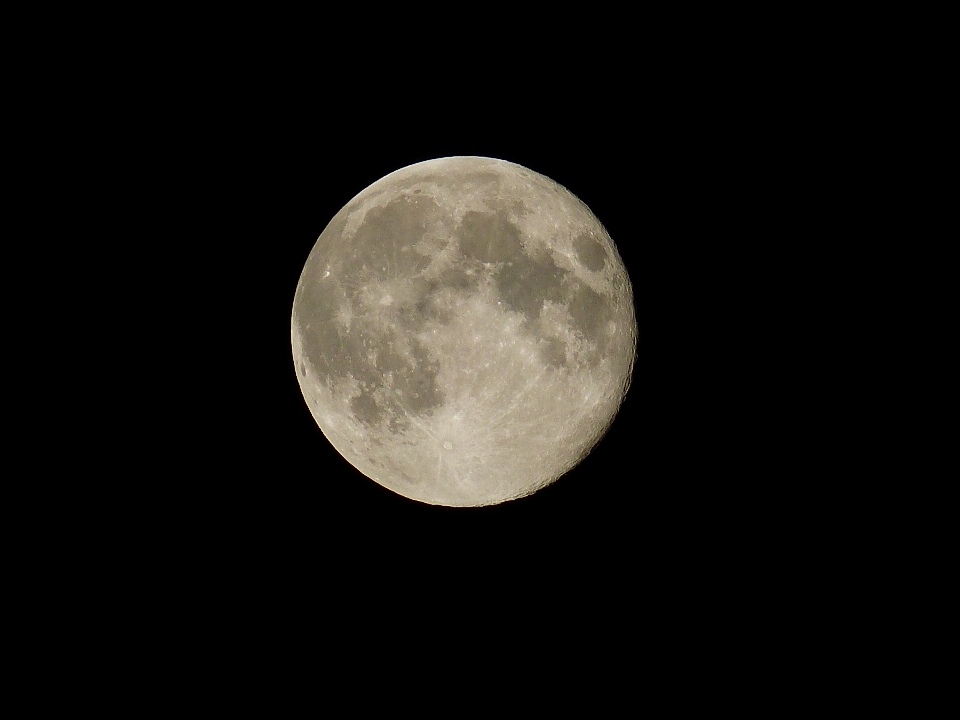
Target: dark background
{"x":671,"y":475}
{"x":229,"y":179}
{"x":197,"y":509}
{"x":301,"y":485}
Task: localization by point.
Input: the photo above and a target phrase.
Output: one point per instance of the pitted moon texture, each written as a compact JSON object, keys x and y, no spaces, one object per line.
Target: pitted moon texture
{"x":463,"y":331}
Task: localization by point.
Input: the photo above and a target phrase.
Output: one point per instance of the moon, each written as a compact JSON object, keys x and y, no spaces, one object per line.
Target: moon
{"x":463,"y":331}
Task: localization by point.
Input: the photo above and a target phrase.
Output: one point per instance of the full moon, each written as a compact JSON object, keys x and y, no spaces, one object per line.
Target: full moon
{"x":463,"y":331}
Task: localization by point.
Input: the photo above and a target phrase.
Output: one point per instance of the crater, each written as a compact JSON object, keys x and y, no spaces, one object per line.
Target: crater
{"x":488,"y":237}
{"x":590,"y":252}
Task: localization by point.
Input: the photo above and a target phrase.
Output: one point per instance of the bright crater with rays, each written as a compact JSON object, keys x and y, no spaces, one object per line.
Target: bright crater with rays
{"x":463,"y":331}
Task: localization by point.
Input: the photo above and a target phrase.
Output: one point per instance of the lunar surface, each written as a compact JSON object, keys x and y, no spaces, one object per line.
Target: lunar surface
{"x":463,"y":331}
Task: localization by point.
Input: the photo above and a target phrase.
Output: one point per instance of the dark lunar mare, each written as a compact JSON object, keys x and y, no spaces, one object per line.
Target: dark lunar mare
{"x":590,"y":252}
{"x":382,"y":247}
{"x":411,"y":255}
{"x":391,"y":385}
{"x":394,"y":385}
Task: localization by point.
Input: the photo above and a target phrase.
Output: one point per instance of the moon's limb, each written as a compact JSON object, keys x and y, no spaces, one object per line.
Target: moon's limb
{"x":466,"y":307}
